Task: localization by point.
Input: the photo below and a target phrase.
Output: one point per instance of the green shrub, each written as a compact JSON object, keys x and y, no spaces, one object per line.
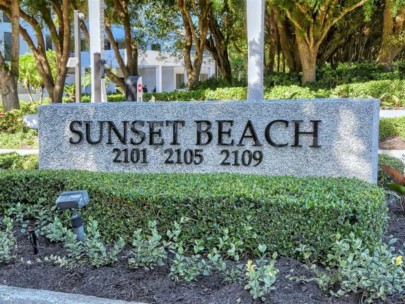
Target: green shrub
{"x":16,"y":161}
{"x":370,"y":275}
{"x":392,"y":127}
{"x":294,"y":92}
{"x":280,"y":212}
{"x":7,"y":240}
{"x":383,"y":177}
{"x":375,"y":89}
{"x":19,"y":140}
{"x":176,"y":96}
{"x":12,"y":122}
{"x":226,"y":94}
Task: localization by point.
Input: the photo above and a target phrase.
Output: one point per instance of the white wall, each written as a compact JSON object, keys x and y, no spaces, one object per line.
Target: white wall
{"x":169,"y":81}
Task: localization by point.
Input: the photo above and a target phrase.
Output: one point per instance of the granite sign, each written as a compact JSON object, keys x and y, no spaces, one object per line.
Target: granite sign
{"x":300,"y":137}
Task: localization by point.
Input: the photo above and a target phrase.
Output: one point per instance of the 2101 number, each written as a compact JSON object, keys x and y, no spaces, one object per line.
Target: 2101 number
{"x":245,"y":158}
{"x":134,"y":156}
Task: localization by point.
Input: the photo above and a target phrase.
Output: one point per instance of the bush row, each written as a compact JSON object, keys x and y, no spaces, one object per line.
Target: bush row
{"x":281,"y":212}
{"x":390,"y":92}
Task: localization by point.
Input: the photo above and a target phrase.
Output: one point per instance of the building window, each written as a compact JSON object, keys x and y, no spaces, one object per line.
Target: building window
{"x":48,"y":42}
{"x":107,"y":45}
{"x":121,"y":44}
{"x":156,"y":47}
{"x":179,"y":81}
{"x":5,"y":18}
{"x":7,"y":46}
{"x":203,"y":77}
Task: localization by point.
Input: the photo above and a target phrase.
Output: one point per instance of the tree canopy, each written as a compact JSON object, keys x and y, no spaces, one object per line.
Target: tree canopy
{"x":299,"y":35}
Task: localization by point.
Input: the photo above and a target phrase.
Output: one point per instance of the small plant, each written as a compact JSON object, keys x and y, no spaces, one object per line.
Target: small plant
{"x":217,"y":261}
{"x":188,"y":268}
{"x":234,"y":274}
{"x":55,"y":231}
{"x":399,"y":183}
{"x":352,"y":268}
{"x":92,"y":251}
{"x":148,"y":250}
{"x":261,"y":277}
{"x":7,"y":240}
{"x":183,"y":267}
{"x":230,"y":246}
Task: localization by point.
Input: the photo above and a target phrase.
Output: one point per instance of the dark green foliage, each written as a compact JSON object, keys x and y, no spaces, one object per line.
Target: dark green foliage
{"x":383,"y":177}
{"x":355,"y":72}
{"x":392,"y":127}
{"x":281,"y":212}
{"x":16,"y":161}
{"x":176,"y":96}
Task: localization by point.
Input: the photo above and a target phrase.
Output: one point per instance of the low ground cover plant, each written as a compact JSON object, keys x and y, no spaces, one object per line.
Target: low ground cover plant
{"x":280,"y":212}
{"x":7,"y":240}
{"x":352,"y":268}
{"x":383,"y":178}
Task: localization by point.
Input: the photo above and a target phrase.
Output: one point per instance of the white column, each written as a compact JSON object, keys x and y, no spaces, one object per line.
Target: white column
{"x":159,"y":80}
{"x":96,"y":25}
{"x":255,"y":27}
{"x":185,"y":76}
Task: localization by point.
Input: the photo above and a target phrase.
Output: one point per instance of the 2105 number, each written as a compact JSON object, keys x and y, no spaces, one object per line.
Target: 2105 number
{"x":187,"y":157}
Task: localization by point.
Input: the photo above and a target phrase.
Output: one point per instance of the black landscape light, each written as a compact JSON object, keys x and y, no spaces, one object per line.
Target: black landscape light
{"x":74,"y":200}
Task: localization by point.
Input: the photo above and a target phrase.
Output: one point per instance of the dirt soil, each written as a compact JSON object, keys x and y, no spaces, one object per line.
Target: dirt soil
{"x":155,"y":286}
{"x":392,"y":143}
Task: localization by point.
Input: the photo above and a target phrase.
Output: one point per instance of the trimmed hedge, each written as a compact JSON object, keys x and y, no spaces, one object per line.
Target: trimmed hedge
{"x":281,"y":212}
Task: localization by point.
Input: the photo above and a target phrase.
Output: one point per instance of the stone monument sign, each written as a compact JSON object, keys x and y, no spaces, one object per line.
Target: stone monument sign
{"x":317,"y":137}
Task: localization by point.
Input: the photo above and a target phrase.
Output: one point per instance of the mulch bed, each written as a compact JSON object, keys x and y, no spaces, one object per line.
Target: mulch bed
{"x":155,"y":286}
{"x":392,"y":143}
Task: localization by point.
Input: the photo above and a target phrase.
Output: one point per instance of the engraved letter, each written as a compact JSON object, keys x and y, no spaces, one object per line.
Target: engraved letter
{"x":75,"y":131}
{"x":268,"y":136}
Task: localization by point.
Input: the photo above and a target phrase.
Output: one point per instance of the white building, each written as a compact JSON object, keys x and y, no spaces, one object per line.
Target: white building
{"x":161,"y":70}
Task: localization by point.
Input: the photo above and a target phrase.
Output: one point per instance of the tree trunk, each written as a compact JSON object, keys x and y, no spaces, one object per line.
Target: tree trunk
{"x":217,"y":45}
{"x":196,"y":35}
{"x":308,"y":54}
{"x":129,"y":68}
{"x":391,"y":27}
{"x":30,"y":93}
{"x":9,"y":90}
{"x":272,"y":40}
{"x":9,"y":75}
{"x":287,"y":44}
